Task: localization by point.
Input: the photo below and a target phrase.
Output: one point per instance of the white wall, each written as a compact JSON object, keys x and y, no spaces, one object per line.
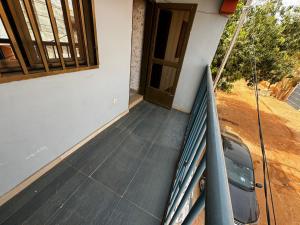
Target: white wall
{"x":42,"y":118}
{"x":204,"y":39}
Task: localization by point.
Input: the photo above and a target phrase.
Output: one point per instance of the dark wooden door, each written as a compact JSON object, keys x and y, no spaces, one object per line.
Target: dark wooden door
{"x":170,"y":33}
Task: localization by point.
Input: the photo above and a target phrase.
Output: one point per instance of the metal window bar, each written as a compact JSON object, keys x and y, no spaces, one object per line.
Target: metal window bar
{"x":202,"y":150}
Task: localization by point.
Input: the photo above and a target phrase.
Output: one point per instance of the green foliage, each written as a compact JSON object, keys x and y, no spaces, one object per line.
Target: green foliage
{"x":271,"y":35}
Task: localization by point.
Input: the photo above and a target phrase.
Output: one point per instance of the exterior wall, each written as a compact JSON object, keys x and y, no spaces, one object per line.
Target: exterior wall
{"x":42,"y":118}
{"x":138,"y":21}
{"x":204,"y":39}
{"x":294,"y":98}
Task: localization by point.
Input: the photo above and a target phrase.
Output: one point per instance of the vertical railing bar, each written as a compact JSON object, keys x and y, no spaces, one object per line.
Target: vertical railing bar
{"x":199,"y":110}
{"x":36,"y":32}
{"x":196,"y":177}
{"x":69,"y":27}
{"x":55,"y":32}
{"x":199,"y":96}
{"x":85,"y":45}
{"x":195,"y":146}
{"x":191,"y":137}
{"x":198,"y":101}
{"x":196,"y":210}
{"x":12,"y":39}
{"x":195,"y":128}
{"x":218,"y":209}
{"x":199,"y":153}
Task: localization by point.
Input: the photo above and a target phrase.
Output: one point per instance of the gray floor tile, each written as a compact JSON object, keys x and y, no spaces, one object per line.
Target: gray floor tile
{"x":90,"y":156}
{"x":152,"y":124}
{"x":92,"y":204}
{"x":135,"y":115}
{"x":150,"y":187}
{"x":50,"y":192}
{"x":95,"y":152}
{"x":128,"y":214}
{"x":118,"y":170}
{"x":173,"y":130}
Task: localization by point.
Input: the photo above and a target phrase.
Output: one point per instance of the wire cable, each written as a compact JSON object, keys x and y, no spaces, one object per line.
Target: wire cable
{"x":262,"y":145}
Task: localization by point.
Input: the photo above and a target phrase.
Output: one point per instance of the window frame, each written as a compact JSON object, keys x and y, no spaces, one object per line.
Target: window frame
{"x":28,"y":67}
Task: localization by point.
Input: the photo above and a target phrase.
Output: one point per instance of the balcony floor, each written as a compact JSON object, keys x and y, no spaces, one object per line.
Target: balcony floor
{"x":122,"y":176}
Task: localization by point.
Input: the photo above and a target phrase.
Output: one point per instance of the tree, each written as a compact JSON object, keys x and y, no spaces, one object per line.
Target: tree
{"x":266,"y":36}
{"x":291,"y":30}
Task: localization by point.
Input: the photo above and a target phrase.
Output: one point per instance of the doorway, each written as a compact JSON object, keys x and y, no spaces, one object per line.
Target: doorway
{"x":165,"y":42}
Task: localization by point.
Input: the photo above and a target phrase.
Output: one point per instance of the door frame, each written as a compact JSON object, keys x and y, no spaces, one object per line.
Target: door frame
{"x":150,"y":30}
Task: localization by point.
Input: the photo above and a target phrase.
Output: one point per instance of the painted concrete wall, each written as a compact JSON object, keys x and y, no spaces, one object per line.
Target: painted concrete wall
{"x":138,"y":22}
{"x":42,"y":118}
{"x":204,"y":39}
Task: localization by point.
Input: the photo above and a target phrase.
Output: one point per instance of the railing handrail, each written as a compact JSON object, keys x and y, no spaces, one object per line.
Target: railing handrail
{"x":218,"y":207}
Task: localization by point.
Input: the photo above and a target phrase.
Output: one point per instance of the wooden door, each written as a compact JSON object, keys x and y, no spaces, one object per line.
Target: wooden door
{"x":171,"y":29}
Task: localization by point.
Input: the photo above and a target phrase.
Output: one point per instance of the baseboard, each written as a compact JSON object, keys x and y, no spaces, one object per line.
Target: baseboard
{"x":180,"y":109}
{"x":17,"y":189}
{"x":137,"y":101}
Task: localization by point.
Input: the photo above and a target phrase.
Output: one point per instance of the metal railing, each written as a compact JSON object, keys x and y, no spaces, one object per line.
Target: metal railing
{"x":202,"y":151}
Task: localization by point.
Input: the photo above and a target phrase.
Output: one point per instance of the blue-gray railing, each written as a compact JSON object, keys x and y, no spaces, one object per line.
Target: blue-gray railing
{"x":202,"y":151}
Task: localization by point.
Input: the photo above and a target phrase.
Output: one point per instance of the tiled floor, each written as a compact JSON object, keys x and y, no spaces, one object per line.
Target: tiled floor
{"x":121,"y":177}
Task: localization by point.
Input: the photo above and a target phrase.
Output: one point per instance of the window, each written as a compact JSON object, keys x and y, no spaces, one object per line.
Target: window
{"x":8,"y":59}
{"x":45,"y":37}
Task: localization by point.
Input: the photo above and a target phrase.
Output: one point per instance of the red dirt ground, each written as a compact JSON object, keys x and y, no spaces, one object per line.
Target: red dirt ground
{"x":281,"y":128}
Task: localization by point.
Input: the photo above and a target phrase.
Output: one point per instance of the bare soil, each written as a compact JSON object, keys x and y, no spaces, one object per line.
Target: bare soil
{"x":281,"y":128}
